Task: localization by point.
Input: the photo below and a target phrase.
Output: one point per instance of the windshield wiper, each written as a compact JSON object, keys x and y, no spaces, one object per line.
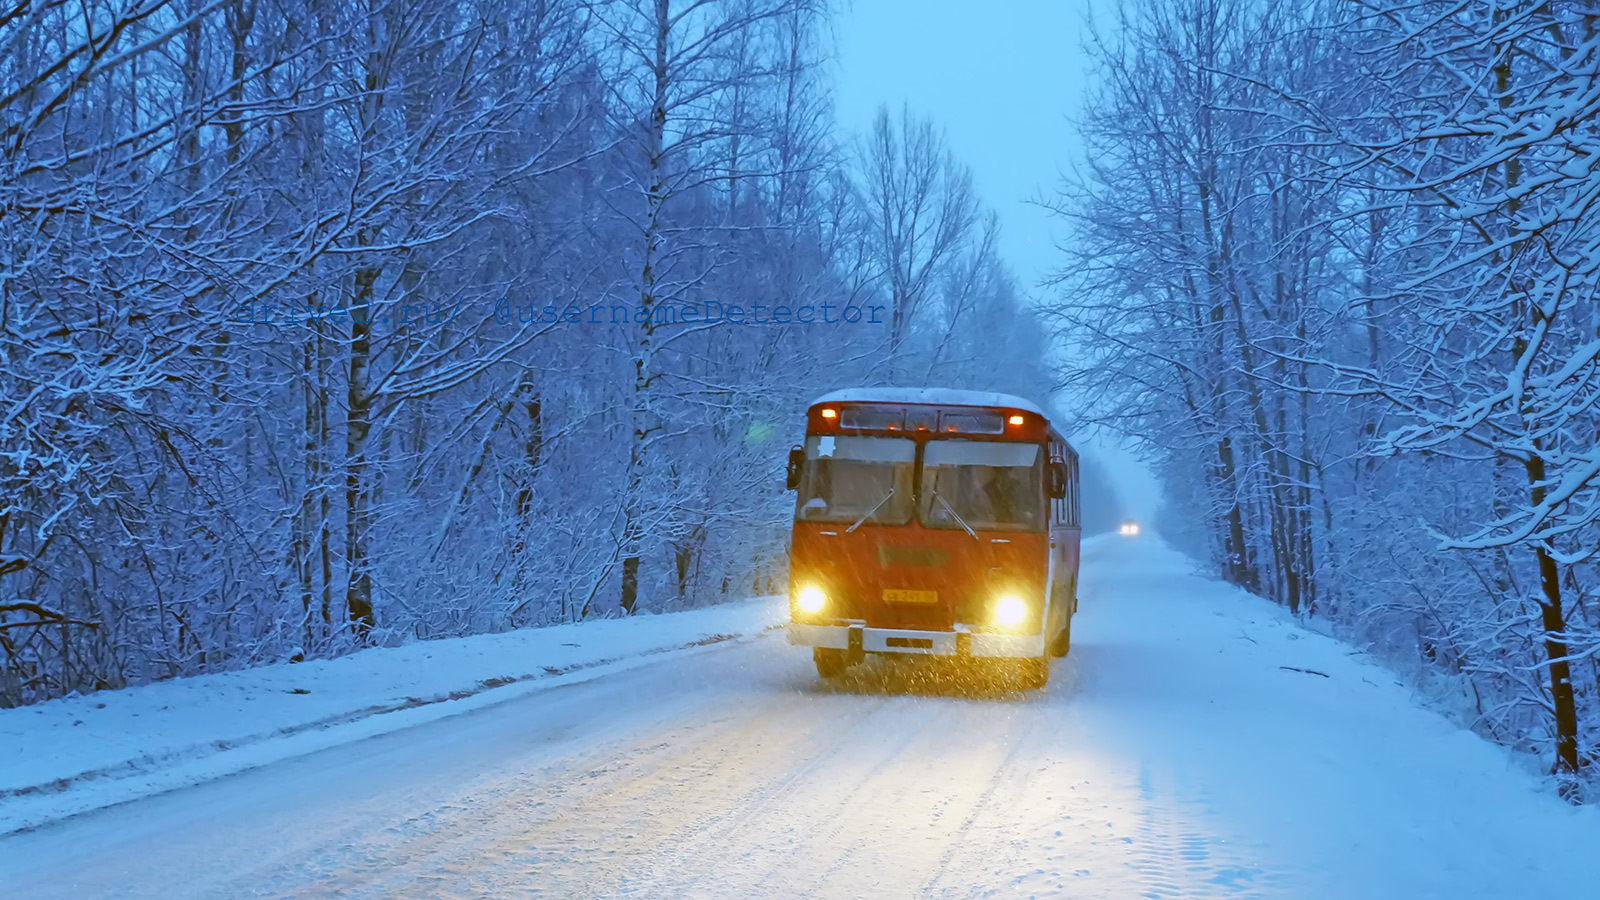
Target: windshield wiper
{"x":871,"y":511}
{"x":957,"y":516}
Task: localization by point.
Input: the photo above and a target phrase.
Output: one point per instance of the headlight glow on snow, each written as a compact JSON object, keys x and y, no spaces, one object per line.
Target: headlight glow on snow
{"x":811,"y":599}
{"x":1010,"y":611}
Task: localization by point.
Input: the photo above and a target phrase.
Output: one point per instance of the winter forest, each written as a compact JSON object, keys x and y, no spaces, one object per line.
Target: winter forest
{"x":326,"y":325}
{"x":1336,"y":267}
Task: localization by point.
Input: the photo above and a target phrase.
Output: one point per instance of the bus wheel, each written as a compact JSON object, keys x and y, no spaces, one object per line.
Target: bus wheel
{"x":1033,"y":673}
{"x":1062,"y":642}
{"x":830,"y":663}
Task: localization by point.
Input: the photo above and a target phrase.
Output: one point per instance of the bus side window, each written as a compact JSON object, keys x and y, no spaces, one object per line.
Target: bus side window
{"x":1072,"y":491}
{"x":1058,"y":505}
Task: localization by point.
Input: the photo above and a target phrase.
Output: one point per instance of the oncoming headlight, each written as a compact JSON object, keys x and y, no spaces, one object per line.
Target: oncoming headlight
{"x":1010,"y":611}
{"x":811,"y":599}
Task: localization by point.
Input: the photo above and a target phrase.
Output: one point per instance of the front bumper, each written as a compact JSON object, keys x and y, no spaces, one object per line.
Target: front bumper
{"x":926,"y":643}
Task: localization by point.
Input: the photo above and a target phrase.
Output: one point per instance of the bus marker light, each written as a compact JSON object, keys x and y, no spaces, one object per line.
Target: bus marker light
{"x":830,"y":414}
{"x":1015,"y":420}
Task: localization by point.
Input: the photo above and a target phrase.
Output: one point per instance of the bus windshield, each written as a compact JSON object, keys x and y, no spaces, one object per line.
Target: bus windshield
{"x":982,"y":485}
{"x":857,"y":479}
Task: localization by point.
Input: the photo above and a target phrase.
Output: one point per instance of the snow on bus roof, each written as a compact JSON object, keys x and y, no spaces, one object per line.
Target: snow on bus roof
{"x":931,"y":397}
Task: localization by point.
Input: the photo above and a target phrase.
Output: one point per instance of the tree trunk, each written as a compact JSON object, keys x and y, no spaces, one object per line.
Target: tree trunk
{"x":643,"y":407}
{"x":357,"y":473}
{"x":1552,"y":618}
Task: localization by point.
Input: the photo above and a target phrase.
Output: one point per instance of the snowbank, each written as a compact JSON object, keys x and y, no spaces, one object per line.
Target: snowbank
{"x":72,"y":755}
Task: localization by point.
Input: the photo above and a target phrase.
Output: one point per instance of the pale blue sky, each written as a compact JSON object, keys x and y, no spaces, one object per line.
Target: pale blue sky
{"x":1002,"y":79}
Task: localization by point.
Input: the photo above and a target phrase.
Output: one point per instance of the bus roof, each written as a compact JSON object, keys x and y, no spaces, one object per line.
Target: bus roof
{"x":931,"y":397}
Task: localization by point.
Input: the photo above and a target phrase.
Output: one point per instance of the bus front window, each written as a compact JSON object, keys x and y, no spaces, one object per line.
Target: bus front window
{"x":982,"y":485}
{"x":850,"y":479}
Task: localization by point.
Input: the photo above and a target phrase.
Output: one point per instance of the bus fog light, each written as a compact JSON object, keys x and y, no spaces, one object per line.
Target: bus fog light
{"x":1010,"y":611}
{"x":811,"y":600}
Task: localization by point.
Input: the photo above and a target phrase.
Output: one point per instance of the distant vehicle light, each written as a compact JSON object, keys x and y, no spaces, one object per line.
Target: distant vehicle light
{"x":830,"y":413}
{"x":811,"y":600}
{"x":1129,"y":528}
{"x":1010,"y":611}
{"x":1015,"y":420}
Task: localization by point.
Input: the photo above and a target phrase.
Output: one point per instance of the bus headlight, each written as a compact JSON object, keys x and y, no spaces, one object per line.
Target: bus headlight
{"x":1010,"y":611}
{"x":811,"y":599}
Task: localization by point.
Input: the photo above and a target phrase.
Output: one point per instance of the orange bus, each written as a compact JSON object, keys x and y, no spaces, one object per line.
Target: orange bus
{"x":934,"y":522}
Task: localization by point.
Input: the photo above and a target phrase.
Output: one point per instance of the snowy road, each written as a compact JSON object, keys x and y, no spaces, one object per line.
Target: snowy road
{"x":1172,"y":755}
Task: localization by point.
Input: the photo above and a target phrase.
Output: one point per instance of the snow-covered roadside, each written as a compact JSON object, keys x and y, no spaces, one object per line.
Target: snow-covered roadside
{"x":69,"y":756}
{"x":1320,"y":771}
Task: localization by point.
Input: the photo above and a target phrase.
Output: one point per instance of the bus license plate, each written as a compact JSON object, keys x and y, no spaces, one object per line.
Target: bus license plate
{"x":895,"y":595}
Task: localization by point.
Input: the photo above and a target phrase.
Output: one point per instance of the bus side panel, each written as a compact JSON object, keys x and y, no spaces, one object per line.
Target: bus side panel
{"x":1068,"y":543}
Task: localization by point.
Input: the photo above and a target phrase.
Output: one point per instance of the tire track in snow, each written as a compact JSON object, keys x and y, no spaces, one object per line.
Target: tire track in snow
{"x":925,"y":772}
{"x":1007,"y":772}
{"x":768,"y":782}
{"x":1012,"y":843}
{"x":793,"y":818}
{"x":370,"y":853}
{"x":606,"y":821}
